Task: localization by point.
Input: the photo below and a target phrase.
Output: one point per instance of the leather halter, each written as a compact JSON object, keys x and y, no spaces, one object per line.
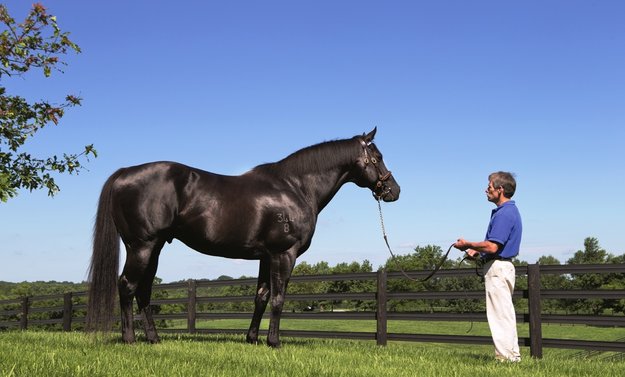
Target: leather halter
{"x":381,"y":188}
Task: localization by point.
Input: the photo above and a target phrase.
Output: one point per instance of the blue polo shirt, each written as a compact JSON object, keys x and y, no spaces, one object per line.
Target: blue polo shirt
{"x":505,"y":228}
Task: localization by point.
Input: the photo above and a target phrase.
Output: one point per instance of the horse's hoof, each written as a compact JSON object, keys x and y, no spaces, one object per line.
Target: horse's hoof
{"x":252,"y":341}
{"x":128,"y":338}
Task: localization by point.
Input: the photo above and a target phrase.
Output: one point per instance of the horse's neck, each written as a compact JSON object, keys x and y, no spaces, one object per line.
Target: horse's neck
{"x":319,"y":189}
{"x":330,"y":163}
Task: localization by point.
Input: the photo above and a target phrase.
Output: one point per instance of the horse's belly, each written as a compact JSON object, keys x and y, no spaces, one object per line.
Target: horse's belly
{"x":226,"y":251}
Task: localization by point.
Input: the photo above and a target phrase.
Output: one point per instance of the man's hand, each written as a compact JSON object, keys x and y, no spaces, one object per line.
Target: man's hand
{"x":464,"y":245}
{"x":461,"y":244}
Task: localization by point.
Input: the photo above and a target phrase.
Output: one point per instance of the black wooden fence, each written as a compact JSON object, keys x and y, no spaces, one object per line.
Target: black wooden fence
{"x":22,"y":313}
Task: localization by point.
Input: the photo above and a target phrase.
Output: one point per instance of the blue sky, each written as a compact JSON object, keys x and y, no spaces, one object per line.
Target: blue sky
{"x":457,"y":90}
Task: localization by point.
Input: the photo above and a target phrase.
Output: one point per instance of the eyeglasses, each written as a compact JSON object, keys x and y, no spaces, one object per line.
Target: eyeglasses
{"x":492,"y":188}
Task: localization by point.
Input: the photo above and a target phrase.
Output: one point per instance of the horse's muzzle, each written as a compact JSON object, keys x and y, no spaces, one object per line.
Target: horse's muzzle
{"x":391,"y":196}
{"x":386,"y":193}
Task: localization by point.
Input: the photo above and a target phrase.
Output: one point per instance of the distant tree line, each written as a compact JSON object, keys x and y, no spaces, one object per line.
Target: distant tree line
{"x":428,"y":257}
{"x":423,"y":258}
{"x":38,"y":288}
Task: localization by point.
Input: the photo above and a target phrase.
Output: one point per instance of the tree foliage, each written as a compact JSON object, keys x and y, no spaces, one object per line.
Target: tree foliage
{"x":593,"y":253}
{"x":37,"y":44}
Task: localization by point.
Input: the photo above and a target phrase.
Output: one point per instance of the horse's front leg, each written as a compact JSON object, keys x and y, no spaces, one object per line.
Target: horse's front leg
{"x":281,"y":267}
{"x":260,"y":301}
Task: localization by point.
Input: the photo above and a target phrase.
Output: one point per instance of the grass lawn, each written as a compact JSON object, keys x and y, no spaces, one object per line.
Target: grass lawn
{"x":33,"y":353}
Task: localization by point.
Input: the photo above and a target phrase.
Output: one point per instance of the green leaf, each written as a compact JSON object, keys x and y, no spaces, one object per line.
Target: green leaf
{"x":35,"y":43}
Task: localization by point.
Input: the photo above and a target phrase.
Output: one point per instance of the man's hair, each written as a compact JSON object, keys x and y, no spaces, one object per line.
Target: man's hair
{"x":504,"y":180}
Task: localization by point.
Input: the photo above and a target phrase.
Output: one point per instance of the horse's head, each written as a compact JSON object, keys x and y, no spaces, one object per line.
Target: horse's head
{"x":372,"y":172}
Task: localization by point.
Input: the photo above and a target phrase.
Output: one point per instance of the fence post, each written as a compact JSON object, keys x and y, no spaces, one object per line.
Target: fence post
{"x":381,"y":318}
{"x":533,"y":287}
{"x":24,"y":318}
{"x":67,"y":311}
{"x":191,"y":306}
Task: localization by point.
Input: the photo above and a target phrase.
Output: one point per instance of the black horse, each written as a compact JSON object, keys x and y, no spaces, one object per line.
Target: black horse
{"x":267,"y":214}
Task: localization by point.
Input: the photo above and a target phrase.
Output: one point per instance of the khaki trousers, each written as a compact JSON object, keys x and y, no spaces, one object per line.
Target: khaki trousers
{"x":499,"y":278}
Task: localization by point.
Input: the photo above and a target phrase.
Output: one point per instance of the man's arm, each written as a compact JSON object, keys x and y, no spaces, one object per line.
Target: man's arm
{"x":474,"y":248}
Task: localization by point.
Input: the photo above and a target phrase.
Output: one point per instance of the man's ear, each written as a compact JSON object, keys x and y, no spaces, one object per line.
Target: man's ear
{"x":369,"y":137}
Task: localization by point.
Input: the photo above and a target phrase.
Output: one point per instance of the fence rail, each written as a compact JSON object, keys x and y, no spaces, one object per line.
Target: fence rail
{"x":21,"y":313}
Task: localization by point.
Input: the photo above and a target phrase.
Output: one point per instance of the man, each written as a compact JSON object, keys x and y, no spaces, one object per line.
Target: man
{"x":501,"y":244}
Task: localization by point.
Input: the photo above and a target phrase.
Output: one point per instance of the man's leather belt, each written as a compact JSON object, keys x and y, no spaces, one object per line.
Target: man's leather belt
{"x":496,"y":257}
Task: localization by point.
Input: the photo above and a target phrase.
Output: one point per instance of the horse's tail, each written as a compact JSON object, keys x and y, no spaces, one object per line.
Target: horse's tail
{"x":104,"y":266}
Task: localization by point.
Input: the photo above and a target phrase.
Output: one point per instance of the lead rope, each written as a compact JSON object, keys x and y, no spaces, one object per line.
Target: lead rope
{"x":395,"y":258}
{"x":435,"y":269}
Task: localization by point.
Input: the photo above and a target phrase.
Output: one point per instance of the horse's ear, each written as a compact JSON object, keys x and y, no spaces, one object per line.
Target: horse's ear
{"x":369,"y":137}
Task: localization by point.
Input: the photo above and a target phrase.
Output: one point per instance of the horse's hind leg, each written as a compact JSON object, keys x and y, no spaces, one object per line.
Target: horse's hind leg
{"x":140,"y":267}
{"x":126,"y":296}
{"x":260,"y":301}
{"x":144,"y":294}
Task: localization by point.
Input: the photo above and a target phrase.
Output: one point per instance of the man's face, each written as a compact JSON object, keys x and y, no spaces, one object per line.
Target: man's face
{"x":493,"y":194}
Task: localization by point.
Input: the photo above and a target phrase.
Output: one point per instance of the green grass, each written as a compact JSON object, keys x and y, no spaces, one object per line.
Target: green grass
{"x":553,"y":331}
{"x":33,"y":353}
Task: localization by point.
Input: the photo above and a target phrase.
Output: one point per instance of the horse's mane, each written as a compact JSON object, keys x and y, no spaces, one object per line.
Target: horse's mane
{"x":313,"y":159}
